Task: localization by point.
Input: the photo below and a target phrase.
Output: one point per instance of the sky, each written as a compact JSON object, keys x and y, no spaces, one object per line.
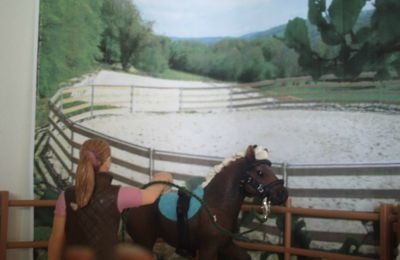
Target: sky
{"x":211,"y":18}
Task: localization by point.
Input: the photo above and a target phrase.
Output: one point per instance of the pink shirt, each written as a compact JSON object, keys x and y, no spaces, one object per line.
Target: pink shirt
{"x":128,"y":197}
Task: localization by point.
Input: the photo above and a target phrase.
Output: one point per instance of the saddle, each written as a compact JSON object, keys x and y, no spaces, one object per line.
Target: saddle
{"x":184,"y":247}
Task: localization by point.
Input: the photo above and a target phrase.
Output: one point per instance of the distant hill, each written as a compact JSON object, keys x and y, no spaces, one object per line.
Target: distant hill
{"x":205,"y":40}
{"x":279,"y":31}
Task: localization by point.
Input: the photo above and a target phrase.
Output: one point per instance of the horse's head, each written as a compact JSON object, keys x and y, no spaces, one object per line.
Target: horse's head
{"x":259,"y":180}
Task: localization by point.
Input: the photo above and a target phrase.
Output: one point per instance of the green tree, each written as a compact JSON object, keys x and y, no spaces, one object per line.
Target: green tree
{"x":109,"y":45}
{"x":131,"y":31}
{"x":153,"y":56}
{"x":253,"y":66}
{"x":68,"y":39}
{"x":178,"y":56}
{"x":282,"y":60}
{"x":227,"y":59}
{"x":236,"y":59}
{"x":352,"y":49}
{"x":124,"y":32}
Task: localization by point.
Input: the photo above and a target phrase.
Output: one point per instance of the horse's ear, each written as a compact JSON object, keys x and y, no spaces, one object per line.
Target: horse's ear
{"x":250,"y":155}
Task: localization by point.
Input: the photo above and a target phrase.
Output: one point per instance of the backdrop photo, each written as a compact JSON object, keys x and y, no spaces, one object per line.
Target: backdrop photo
{"x":178,"y":86}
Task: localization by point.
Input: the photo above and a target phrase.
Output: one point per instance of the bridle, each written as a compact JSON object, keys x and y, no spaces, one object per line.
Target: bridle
{"x":263,"y":190}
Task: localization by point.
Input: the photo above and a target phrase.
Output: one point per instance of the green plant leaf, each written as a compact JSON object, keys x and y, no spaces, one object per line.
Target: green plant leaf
{"x":382,"y":74}
{"x":296,"y":34}
{"x":311,"y":64}
{"x":315,"y":10}
{"x":396,"y":65}
{"x":300,"y":224}
{"x":329,"y":34}
{"x":42,"y":233}
{"x":363,"y":34}
{"x":349,"y":246}
{"x":355,"y":65}
{"x":246,"y":219}
{"x":280,"y":222}
{"x":386,"y":19}
{"x":344,"y":14}
{"x":344,"y":53}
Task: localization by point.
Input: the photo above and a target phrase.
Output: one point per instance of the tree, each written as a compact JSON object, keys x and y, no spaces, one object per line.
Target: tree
{"x":253,"y":65}
{"x":131,"y":31}
{"x":109,"y":45}
{"x":68,"y":39}
{"x":124,"y":32}
{"x":153,"y":56}
{"x":373,"y":47}
{"x":282,"y":60}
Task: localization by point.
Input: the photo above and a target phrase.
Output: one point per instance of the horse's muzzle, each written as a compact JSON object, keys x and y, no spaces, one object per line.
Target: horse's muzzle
{"x":278,"y":195}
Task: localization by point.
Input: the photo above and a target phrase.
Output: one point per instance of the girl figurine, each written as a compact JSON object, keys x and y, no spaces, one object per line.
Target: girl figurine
{"x":87,"y":215}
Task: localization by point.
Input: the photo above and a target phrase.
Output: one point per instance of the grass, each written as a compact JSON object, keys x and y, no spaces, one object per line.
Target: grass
{"x":342,"y":94}
{"x":87,"y":109}
{"x":74,"y":103}
{"x":42,"y":112}
{"x":167,"y":74}
{"x":180,"y":75}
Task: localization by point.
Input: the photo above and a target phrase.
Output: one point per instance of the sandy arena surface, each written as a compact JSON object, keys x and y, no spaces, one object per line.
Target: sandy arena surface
{"x":293,"y":136}
{"x":106,"y":77}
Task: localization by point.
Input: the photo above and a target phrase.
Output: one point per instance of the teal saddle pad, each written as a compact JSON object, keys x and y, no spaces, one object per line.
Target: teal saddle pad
{"x":168,"y":201}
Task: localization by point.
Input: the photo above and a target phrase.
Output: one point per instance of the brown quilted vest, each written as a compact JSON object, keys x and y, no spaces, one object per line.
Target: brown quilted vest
{"x":95,"y":225}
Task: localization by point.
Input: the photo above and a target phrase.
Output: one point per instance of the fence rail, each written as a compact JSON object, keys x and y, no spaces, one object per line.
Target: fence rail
{"x":388,"y":218}
{"x":234,"y":96}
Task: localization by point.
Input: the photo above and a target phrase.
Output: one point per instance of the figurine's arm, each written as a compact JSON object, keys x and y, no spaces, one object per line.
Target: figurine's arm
{"x":57,"y":238}
{"x":151,"y":193}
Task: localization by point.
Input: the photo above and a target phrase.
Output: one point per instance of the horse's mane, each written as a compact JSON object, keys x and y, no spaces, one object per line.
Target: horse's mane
{"x":260,"y":154}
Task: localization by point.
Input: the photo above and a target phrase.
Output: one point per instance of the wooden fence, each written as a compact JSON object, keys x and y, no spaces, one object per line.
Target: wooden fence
{"x":95,"y":98}
{"x":388,"y":218}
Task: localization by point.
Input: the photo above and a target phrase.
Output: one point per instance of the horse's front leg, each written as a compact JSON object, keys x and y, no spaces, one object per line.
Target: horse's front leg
{"x":232,"y":251}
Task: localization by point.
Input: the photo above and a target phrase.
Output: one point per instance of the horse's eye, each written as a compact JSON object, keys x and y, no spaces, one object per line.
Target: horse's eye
{"x":259,"y":173}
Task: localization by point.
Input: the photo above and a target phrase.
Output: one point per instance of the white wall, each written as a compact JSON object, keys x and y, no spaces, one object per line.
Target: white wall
{"x":18,"y":44}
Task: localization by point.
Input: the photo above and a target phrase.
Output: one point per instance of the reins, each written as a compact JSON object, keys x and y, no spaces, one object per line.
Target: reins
{"x":213,"y":219}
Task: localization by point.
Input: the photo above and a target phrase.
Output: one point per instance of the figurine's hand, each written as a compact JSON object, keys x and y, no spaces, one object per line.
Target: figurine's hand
{"x":163,"y":176}
{"x":152,"y":192}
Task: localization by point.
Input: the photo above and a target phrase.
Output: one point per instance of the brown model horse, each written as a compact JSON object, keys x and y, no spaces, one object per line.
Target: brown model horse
{"x":245,"y":176}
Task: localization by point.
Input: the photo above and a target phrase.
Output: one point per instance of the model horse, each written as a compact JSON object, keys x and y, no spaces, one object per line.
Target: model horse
{"x":248,"y":174}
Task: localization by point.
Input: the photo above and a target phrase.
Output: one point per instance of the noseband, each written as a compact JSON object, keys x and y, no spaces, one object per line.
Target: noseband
{"x":263,"y":190}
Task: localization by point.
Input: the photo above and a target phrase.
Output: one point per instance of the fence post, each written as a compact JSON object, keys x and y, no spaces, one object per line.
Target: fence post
{"x":287,"y":240}
{"x":151,"y":163}
{"x":324,"y":91}
{"x":91,"y":100}
{"x":62,"y":101}
{"x":285,"y":174}
{"x":396,"y":230}
{"x":131,"y":103}
{"x":230,"y":98}
{"x":72,"y":150}
{"x":180,"y":100}
{"x":385,"y":241}
{"x":381,"y":87}
{"x":3,"y":224}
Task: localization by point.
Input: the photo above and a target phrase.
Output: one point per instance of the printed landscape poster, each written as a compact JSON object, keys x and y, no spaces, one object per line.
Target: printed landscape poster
{"x":179,"y":85}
